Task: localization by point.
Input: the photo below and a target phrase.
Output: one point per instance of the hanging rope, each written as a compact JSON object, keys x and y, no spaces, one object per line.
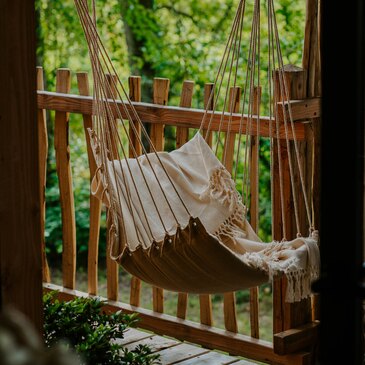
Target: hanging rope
{"x":241,"y":64}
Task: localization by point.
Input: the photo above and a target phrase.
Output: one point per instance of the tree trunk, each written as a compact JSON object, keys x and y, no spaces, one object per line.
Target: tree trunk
{"x":135,"y":46}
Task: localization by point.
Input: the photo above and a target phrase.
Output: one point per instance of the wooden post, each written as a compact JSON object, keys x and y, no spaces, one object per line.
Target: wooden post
{"x":182,"y":136}
{"x":254,"y":210}
{"x":135,"y":94}
{"x":95,"y":204}
{"x":112,"y":267}
{"x":311,"y":63}
{"x":63,"y":162}
{"x":20,"y":232}
{"x":182,"y":133}
{"x":288,"y":315}
{"x":42,"y":156}
{"x":230,"y":315}
{"x":208,"y":104}
{"x":205,"y":300}
{"x":160,"y":96}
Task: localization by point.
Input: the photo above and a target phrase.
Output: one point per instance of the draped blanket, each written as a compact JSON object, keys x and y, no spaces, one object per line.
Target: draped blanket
{"x":181,"y":225}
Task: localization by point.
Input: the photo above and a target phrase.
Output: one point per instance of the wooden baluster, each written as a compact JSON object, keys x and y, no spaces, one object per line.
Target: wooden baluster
{"x":288,"y":315}
{"x":95,"y":204}
{"x":182,"y":136}
{"x":208,"y":104}
{"x":135,"y":94}
{"x":182,"y":133}
{"x":112,"y":267}
{"x":230,"y":316}
{"x":61,"y":142}
{"x":205,"y":300}
{"x":311,"y":63}
{"x":254,"y":211}
{"x":42,"y":156}
{"x":160,"y":96}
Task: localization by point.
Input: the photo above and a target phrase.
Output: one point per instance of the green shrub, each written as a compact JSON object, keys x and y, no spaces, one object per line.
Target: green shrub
{"x":92,"y":332}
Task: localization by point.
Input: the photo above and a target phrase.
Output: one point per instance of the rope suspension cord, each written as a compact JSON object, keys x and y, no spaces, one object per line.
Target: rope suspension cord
{"x":229,"y":65}
{"x":271,"y":107}
{"x":221,"y":73}
{"x":104,"y":91}
{"x":93,"y":37}
{"x":275,"y":107}
{"x":286,"y":93}
{"x":101,"y":94}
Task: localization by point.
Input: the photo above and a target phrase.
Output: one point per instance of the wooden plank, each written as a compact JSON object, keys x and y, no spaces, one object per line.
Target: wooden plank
{"x":230,"y":137}
{"x":244,"y":362}
{"x":132,"y":335}
{"x":161,"y":89}
{"x":210,"y":358}
{"x":208,"y":105}
{"x":182,"y":133}
{"x":163,"y":324}
{"x":181,"y":352}
{"x":254,"y":209}
{"x":182,"y":305}
{"x":182,"y":136}
{"x":288,"y":315}
{"x":42,"y":158}
{"x":167,"y":115}
{"x":205,"y":300}
{"x":95,"y":204}
{"x":63,"y":162}
{"x":155,"y":343}
{"x":229,"y":301}
{"x":304,"y":109}
{"x":206,"y":312}
{"x":311,"y":63}
{"x":112,"y":268}
{"x":135,"y":94}
{"x":20,"y":232}
{"x":296,"y":339}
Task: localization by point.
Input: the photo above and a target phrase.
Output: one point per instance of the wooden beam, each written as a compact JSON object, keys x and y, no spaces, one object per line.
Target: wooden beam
{"x":213,"y":338}
{"x":288,"y":315}
{"x":182,"y":136}
{"x":161,"y":88}
{"x":95,"y":204}
{"x":20,"y":232}
{"x":229,"y":299}
{"x":255,"y":208}
{"x":296,"y":339}
{"x":43,"y":156}
{"x":301,"y":109}
{"x":64,"y":173}
{"x":135,"y":94}
{"x":169,"y":115}
{"x":112,"y":268}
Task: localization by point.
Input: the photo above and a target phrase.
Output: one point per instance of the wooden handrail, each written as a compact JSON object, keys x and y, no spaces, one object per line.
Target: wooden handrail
{"x":183,"y":117}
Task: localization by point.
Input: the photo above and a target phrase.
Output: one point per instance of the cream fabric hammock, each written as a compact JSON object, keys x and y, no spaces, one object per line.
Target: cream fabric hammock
{"x":176,"y":219}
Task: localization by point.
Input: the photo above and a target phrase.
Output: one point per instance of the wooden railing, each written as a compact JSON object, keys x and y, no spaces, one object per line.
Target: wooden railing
{"x":290,"y":345}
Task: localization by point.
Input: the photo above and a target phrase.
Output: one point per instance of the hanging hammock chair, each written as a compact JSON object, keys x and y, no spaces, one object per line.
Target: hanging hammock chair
{"x":176,"y":219}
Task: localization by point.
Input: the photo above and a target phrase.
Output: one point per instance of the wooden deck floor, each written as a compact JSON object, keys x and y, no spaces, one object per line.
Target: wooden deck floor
{"x":172,"y":351}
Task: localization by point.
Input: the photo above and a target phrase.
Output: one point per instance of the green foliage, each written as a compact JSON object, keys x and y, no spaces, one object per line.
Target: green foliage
{"x":91,"y":332}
